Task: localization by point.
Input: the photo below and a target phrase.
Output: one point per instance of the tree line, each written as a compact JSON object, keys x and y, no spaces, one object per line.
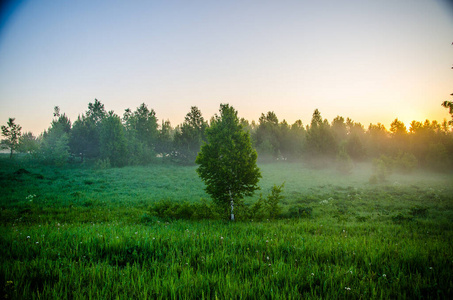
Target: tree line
{"x":136,"y":137}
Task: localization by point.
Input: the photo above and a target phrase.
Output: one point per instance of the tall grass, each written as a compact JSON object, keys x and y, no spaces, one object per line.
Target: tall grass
{"x":78,"y":233}
{"x":208,"y":259}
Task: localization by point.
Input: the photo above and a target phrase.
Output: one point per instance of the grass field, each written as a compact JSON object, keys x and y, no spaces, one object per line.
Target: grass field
{"x":82,"y":233}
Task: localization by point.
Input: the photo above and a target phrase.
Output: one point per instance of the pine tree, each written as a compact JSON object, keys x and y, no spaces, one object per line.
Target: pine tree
{"x":12,"y":134}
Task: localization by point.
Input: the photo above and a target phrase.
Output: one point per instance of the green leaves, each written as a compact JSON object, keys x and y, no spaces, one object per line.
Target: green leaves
{"x":227,"y":160}
{"x":113,"y":141}
{"x":189,"y":137}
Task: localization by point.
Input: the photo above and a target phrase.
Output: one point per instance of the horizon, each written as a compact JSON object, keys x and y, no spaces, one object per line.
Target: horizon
{"x":305,"y":123}
{"x":371,"y":62}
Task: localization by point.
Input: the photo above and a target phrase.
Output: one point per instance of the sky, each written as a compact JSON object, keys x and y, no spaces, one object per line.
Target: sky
{"x":372,"y":61}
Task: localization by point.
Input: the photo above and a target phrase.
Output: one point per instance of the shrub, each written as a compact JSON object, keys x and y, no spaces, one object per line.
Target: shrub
{"x":148,"y":219}
{"x":272,"y":202}
{"x":102,"y":164}
{"x":373,"y":179}
{"x":169,"y":210}
{"x":257,"y":211}
{"x":344,"y":163}
{"x":203,"y":210}
{"x":382,"y":168}
{"x":299,"y":211}
{"x":268,"y":207}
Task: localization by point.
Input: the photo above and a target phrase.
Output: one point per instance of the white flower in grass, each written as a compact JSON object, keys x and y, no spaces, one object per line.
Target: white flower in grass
{"x":312,"y":274}
{"x":347,"y":288}
{"x":28,"y":236}
{"x":383,"y":275}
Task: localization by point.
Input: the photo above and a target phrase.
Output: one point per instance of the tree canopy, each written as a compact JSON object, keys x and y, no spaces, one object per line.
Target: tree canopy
{"x":139,"y":139}
{"x":227,"y":161}
{"x":12,"y":132}
{"x":189,"y":136}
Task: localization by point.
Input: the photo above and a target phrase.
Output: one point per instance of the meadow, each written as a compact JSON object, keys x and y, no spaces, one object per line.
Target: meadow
{"x":77,"y":233}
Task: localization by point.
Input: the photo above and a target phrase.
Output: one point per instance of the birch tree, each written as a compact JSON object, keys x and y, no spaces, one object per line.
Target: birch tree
{"x":227,"y":160}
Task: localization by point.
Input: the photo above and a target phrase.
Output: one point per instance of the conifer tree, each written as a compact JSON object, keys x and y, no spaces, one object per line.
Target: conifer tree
{"x":12,"y":132}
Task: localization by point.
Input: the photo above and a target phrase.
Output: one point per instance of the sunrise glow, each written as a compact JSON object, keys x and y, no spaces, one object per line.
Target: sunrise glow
{"x":372,"y":61}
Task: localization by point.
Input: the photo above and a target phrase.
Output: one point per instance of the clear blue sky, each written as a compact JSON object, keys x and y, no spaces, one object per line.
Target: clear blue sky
{"x":369,"y":60}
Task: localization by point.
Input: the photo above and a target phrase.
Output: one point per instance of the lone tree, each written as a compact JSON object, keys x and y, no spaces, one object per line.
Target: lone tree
{"x":227,"y":160}
{"x":12,"y":134}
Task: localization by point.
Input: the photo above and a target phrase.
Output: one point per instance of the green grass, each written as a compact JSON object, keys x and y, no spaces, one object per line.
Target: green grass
{"x":83,"y":236}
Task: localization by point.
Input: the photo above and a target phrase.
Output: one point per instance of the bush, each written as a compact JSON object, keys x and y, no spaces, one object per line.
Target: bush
{"x":382,"y":168}
{"x":264,"y":208}
{"x":102,"y":164}
{"x":148,"y":219}
{"x":373,"y":179}
{"x":272,"y":202}
{"x":204,"y":210}
{"x":257,"y":211}
{"x":344,"y":163}
{"x":169,"y":210}
{"x":268,"y":207}
{"x":298,"y":211}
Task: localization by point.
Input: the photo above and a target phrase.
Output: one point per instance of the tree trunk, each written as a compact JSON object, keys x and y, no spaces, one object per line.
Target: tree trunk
{"x":11,"y":153}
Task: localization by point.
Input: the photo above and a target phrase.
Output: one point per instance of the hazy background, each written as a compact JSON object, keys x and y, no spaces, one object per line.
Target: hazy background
{"x":372,"y":61}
